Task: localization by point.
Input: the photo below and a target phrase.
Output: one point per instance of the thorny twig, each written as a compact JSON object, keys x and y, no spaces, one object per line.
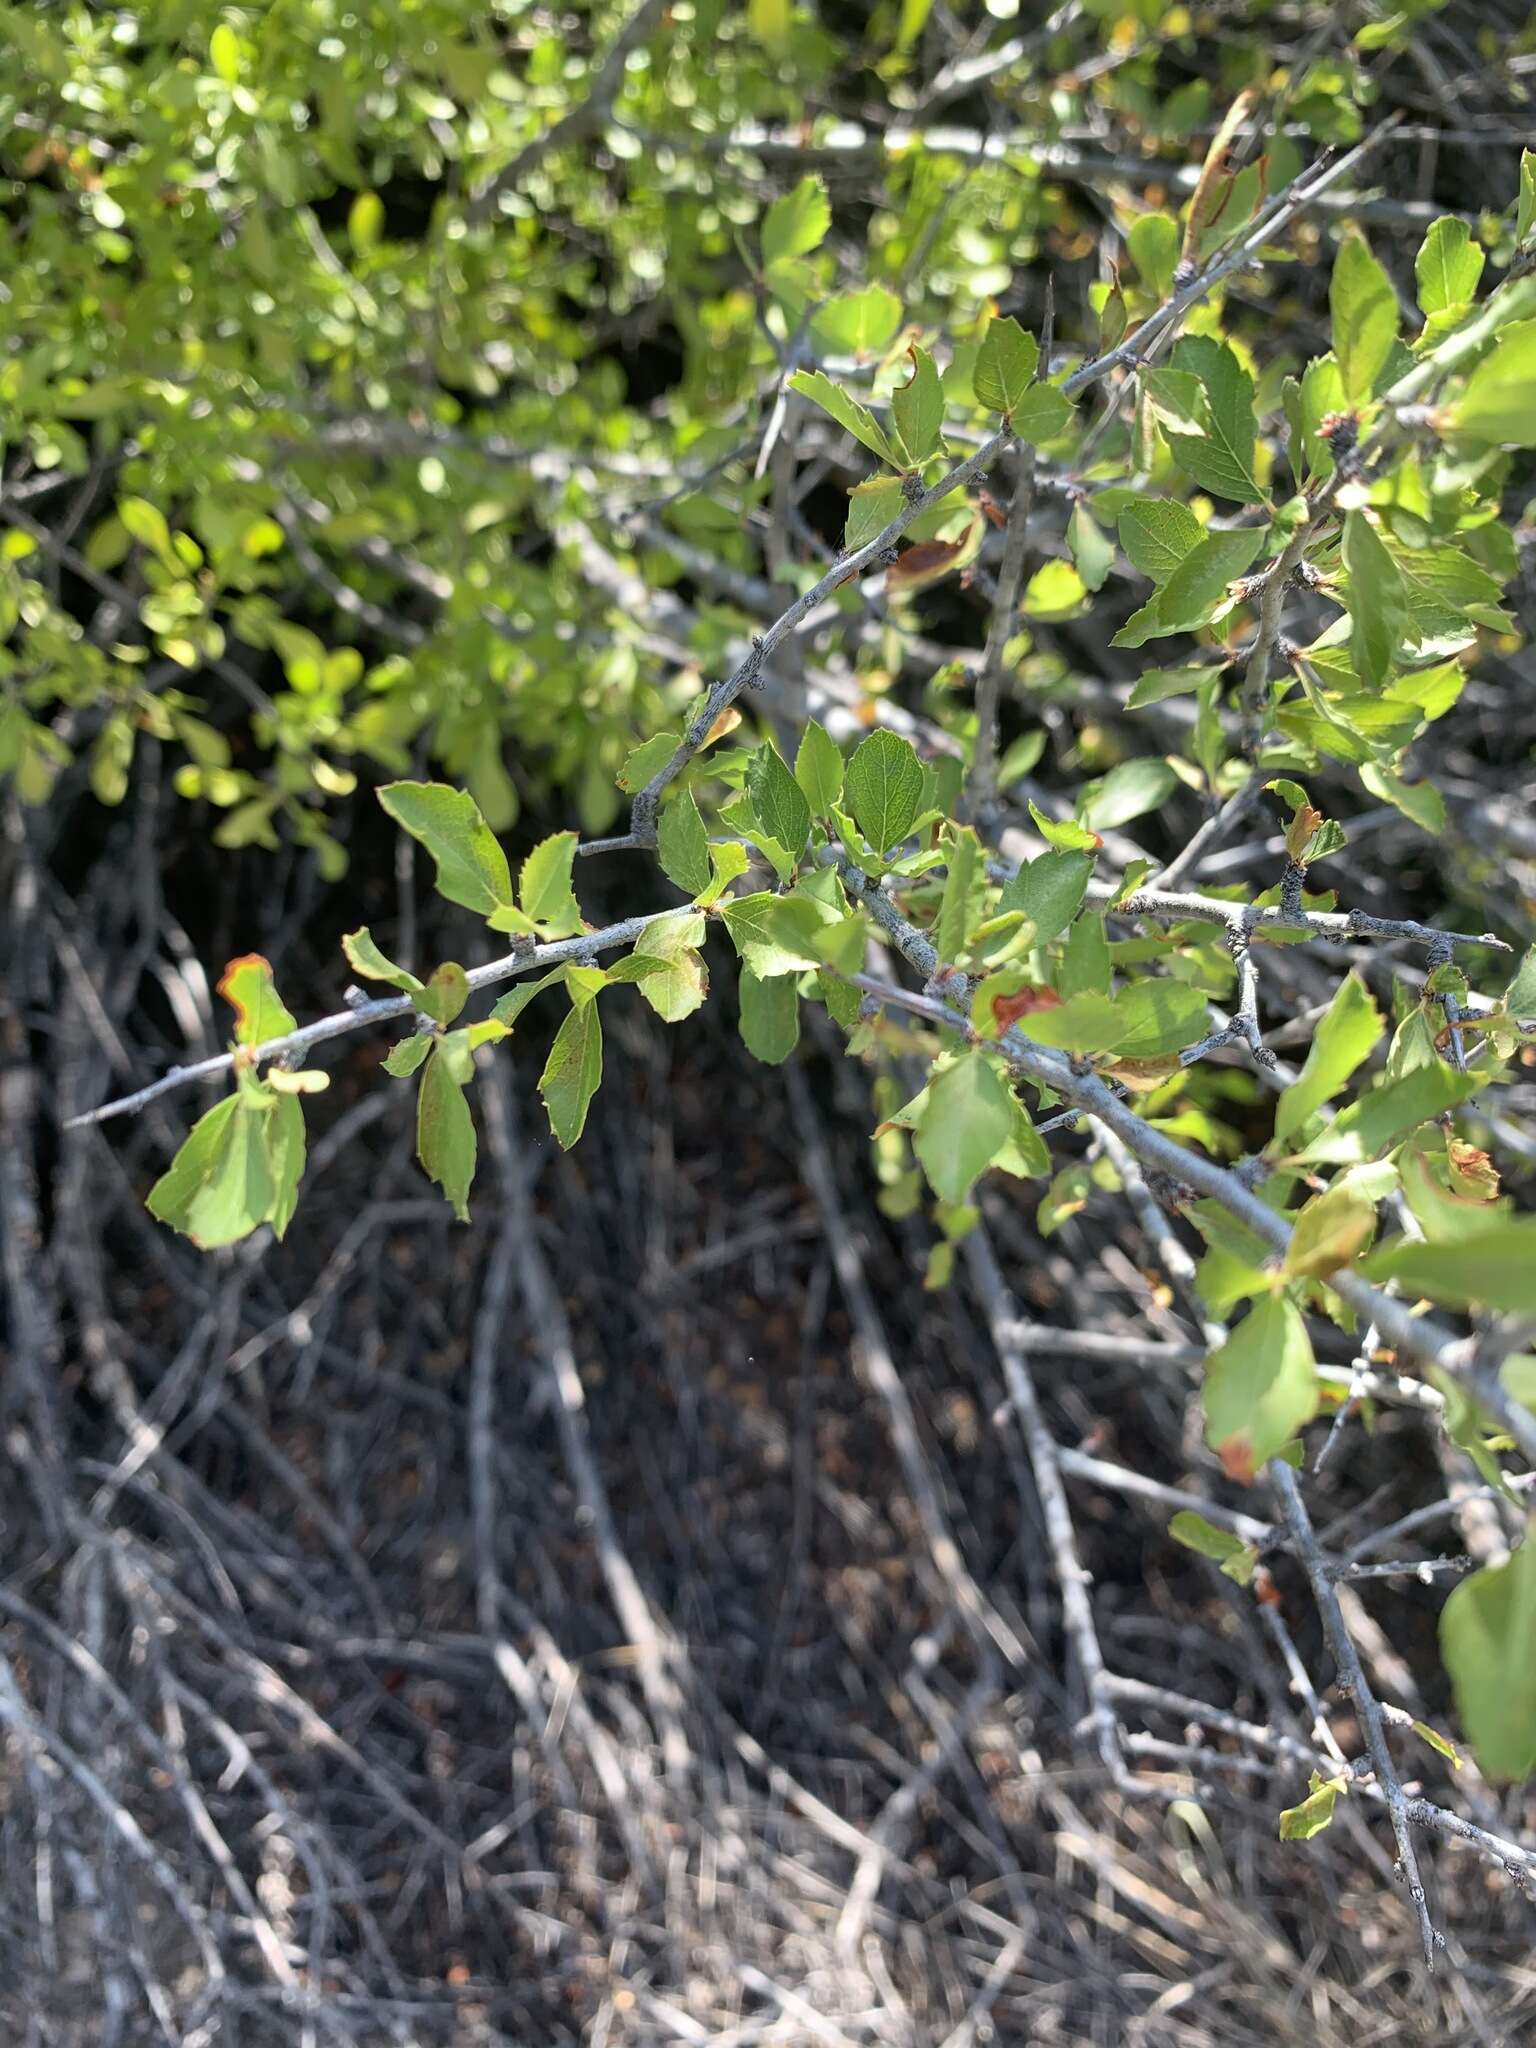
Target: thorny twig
{"x":1124,"y":355}
{"x":1353,"y":1679}
{"x":373,"y":1010}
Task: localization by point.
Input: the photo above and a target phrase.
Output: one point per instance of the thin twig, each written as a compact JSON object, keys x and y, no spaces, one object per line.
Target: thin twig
{"x":1044,"y":1457}
{"x":580,"y":121}
{"x":1353,"y":1680}
{"x":1125,"y":355}
{"x":373,"y":1010}
{"x":1005,"y":603}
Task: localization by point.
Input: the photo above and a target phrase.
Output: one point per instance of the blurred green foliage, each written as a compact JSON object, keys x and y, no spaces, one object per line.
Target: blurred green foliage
{"x":328,"y":355}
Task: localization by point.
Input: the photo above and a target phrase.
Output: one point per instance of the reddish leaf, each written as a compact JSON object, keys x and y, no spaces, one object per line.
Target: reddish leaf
{"x":1236,"y":1456}
{"x":247,"y":986}
{"x":923,"y":564}
{"x":1473,"y":1173}
{"x":1007,"y":1010}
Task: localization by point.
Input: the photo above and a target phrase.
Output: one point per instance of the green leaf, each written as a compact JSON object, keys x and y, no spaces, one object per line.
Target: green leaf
{"x":1488,"y":1642}
{"x":1444,"y":1216}
{"x":1330,"y":1231}
{"x":727,"y":861}
{"x":1154,"y":684}
{"x":1049,"y":890}
{"x":445,"y":994}
{"x":1236,"y":1558}
{"x":1221,"y":456}
{"x":1496,"y":404}
{"x":1069,"y":1191}
{"x":445,"y":1132}
{"x":471,"y":867}
{"x":517,"y":998}
{"x":739,"y":817}
{"x":914,"y":19}
{"x":769,"y":1020}
{"x":776,"y":934}
{"x":1158,"y":1017}
{"x":797,"y":223}
{"x":682,"y":845}
{"x":1025,"y":1155}
{"x":1019,"y":757}
{"x":1446,"y":587}
{"x":366,"y":959}
{"x":1157,"y":533}
{"x":1525,"y":207}
{"x":1378,"y":601}
{"x":1056,"y":591}
{"x":1196,"y":590}
{"x":573,"y":1073}
{"x":872,"y":505}
{"x":1175,"y":399}
{"x":239,"y":1167}
{"x":224,"y":53}
{"x":1420,"y":801}
{"x":1345,"y":1036}
{"x":841,"y":945}
{"x":365,"y":222}
{"x":778,"y":800}
{"x":544,"y":887}
{"x":112,"y":758}
{"x":1379,"y":1119}
{"x":1439,"y":1742}
{"x":1065,"y":834}
{"x":1199,"y":583}
{"x":857,"y":419}
{"x":260,"y":1014}
{"x":678,"y":987}
{"x":1127,"y":791}
{"x":1154,"y":245}
{"x":770,"y":22}
{"x":963,"y":860}
{"x":917,"y":410}
{"x":1447,"y":267}
{"x":1005,"y":366}
{"x":240,"y":1189}
{"x":1364,"y":309}
{"x":966,"y":1121}
{"x":1290,"y":793}
{"x":1496,"y":1268}
{"x":1085,"y":968}
{"x":858,"y":323}
{"x":940,"y":1267}
{"x":407,"y":1056}
{"x":1260,"y":1387}
{"x":1301,"y":1823}
{"x":1042,"y":414}
{"x":285,"y":1143}
{"x":884,"y":787}
{"x":819,"y":769}
{"x":584,"y":982}
{"x":1324,"y":839}
{"x":146,"y":522}
{"x":171,"y":1196}
{"x":1144,"y":1021}
{"x":1520,"y":996}
{"x":1092,"y":549}
{"x":648,"y":760}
